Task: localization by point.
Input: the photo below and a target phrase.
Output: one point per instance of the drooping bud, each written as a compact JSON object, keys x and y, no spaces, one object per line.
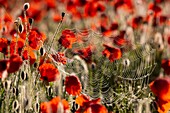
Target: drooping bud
{"x":26,"y":6}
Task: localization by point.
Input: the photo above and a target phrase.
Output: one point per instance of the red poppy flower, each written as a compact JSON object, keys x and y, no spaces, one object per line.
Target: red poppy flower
{"x":120,"y":39}
{"x":36,"y":39}
{"x":169,"y":40}
{"x":136,"y":21}
{"x":51,"y":4}
{"x":60,"y":58}
{"x":166,"y":66}
{"x":89,"y":106}
{"x":85,"y":53}
{"x":3,"y":45}
{"x":48,"y":72}
{"x":31,"y":55}
{"x":67,"y":38}
{"x":53,"y":105}
{"x":20,"y":45}
{"x":114,"y":26}
{"x":36,"y":10}
{"x":161,"y":88}
{"x":15,"y":63}
{"x":57,"y":17}
{"x":155,"y":8}
{"x":125,"y":4}
{"x":4,"y":65}
{"x":91,"y":8}
{"x":73,"y":85}
{"x":106,"y":32}
{"x":112,"y":53}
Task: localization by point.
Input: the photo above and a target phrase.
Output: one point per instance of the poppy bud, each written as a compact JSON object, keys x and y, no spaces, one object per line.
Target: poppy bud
{"x":31,"y":20}
{"x":126,"y":62}
{"x":35,"y":65}
{"x":4,"y":29}
{"x":26,"y":6}
{"x":37,"y":106}
{"x":15,"y":105}
{"x":63,"y":14}
{"x":42,"y":51}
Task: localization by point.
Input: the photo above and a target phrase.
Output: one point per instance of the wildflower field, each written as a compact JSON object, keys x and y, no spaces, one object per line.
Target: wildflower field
{"x":84,"y":56}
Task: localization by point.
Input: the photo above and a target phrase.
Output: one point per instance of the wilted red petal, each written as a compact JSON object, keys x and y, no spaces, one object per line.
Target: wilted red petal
{"x":73,"y":85}
{"x":48,"y":72}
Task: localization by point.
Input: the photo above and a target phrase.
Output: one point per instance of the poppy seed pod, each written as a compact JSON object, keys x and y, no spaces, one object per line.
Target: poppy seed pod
{"x":7,"y":85}
{"x":20,"y":28}
{"x":26,"y":6}
{"x":15,"y":91}
{"x":15,"y":105}
{"x":24,"y":75}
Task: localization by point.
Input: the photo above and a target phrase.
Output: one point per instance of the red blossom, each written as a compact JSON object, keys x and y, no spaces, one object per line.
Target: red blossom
{"x":120,"y":40}
{"x":166,"y":66}
{"x":53,"y":105}
{"x":20,"y":44}
{"x":3,"y":45}
{"x":155,"y":8}
{"x":4,"y":65}
{"x":48,"y":72}
{"x":60,"y":58}
{"x":136,"y":22}
{"x":112,"y":53}
{"x":91,"y":9}
{"x":67,"y":38}
{"x":89,"y":106}
{"x":85,"y":53}
{"x":15,"y":63}
{"x":36,"y":39}
{"x":127,"y":5}
{"x":31,"y":55}
{"x":161,"y":88}
{"x":73,"y":85}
